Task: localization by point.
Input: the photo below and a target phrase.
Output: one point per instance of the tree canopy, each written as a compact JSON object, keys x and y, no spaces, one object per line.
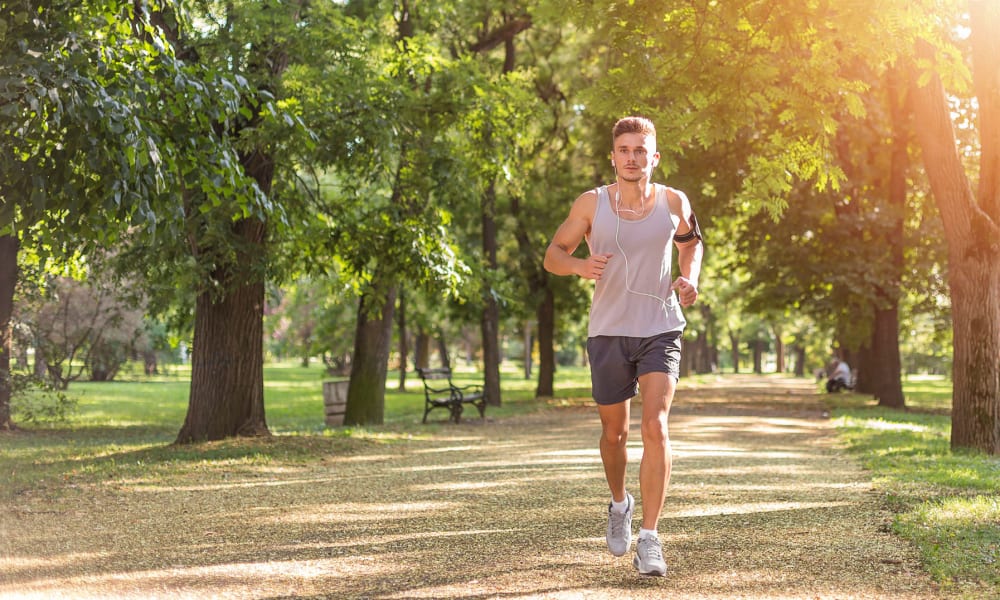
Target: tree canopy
{"x":421,"y":153}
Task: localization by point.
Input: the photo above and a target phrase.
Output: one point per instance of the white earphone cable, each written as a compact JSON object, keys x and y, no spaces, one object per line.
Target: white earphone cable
{"x":665,"y":303}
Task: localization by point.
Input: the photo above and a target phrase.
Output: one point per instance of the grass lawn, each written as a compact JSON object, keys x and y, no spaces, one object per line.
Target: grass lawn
{"x":123,"y":428}
{"x":947,"y":502}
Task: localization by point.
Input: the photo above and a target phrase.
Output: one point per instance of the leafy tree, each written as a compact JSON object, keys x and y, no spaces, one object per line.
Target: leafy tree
{"x":211,"y":238}
{"x":495,"y":126}
{"x":395,"y":166}
{"x":497,"y":122}
{"x":80,"y":325}
{"x":847,"y":244}
{"x":410,"y":184}
{"x":971,"y":216}
{"x":554,"y":155}
{"x":78,"y":161}
{"x":309,"y":318}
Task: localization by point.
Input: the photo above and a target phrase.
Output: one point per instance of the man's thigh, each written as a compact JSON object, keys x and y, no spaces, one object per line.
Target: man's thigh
{"x":657,"y":392}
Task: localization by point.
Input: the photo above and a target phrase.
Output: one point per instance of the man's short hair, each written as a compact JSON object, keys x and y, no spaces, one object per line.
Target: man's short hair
{"x":640,"y":125}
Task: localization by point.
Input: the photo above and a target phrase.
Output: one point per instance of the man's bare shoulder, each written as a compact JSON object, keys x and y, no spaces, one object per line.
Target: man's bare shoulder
{"x":585,"y":206}
{"x":677,"y":198}
{"x":678,"y":203}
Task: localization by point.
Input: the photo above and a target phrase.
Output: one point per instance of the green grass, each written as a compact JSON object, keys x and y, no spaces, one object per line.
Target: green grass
{"x":125,"y":429}
{"x":946,"y":502}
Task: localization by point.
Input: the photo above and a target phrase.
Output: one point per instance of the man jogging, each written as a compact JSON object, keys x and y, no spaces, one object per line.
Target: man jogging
{"x":631,"y":227}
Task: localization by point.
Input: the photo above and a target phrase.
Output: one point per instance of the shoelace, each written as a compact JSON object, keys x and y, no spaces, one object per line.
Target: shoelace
{"x":617,"y":523}
{"x":654,"y":550}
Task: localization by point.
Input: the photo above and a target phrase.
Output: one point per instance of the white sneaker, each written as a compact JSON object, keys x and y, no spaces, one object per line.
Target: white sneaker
{"x":649,"y":557}
{"x":620,"y":528}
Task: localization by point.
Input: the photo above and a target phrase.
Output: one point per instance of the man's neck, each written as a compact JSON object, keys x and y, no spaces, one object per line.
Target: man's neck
{"x":634,"y":193}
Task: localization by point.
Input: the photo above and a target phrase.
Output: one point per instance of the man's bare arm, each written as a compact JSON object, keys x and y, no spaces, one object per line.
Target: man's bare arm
{"x":559,"y":259}
{"x":689,"y":252}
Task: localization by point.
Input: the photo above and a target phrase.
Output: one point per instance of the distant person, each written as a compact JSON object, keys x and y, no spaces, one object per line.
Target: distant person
{"x":840,"y":378}
{"x":634,"y":334}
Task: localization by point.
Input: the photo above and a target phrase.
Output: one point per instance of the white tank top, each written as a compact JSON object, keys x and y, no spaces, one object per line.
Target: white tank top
{"x":645,"y":305}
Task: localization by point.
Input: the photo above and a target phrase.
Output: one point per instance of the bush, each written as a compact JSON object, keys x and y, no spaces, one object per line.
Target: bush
{"x":35,"y":400}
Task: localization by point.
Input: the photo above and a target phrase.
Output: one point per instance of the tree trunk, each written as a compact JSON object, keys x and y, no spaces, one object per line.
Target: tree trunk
{"x":490,"y":322}
{"x":545,"y":312}
{"x":422,"y":349}
{"x":972,"y":232}
{"x":227,"y":366}
{"x":861,"y":361}
{"x":885,"y":339}
{"x":20,"y":357}
{"x":227,"y":361}
{"x":528,"y":347}
{"x":975,"y":416}
{"x":886,"y":379}
{"x":372,"y":341}
{"x":538,"y":287}
{"x":709,"y":354}
{"x":779,"y":351}
{"x":734,"y":350}
{"x":684,"y":368}
{"x":758,"y":356}
{"x":9,"y":246}
{"x":401,"y":326}
{"x":443,"y":354}
{"x":800,"y":360}
{"x":41,"y":367}
{"x":697,"y":355}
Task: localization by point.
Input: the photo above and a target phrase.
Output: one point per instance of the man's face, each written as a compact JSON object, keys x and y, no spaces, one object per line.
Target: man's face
{"x":635,"y":156}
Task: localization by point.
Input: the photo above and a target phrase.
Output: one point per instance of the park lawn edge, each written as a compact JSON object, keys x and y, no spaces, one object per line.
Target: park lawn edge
{"x":943,"y":501}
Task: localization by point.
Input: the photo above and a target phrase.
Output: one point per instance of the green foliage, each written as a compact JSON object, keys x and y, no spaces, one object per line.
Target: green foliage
{"x":36,"y":401}
{"x":831,"y":257}
{"x":110,"y":129}
{"x":726,"y":73}
{"x":84,"y":322}
{"x":308,"y":318}
{"x":77,"y":155}
{"x":231,"y":138}
{"x":391,"y":169}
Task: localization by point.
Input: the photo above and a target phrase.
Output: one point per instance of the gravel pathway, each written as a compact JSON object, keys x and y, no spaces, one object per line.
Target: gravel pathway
{"x":762,"y":505}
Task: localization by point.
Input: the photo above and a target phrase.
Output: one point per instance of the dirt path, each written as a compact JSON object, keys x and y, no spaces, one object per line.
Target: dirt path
{"x":762,"y":505}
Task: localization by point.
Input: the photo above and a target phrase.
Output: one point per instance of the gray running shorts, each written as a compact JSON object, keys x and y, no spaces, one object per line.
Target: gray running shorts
{"x":616,"y":362}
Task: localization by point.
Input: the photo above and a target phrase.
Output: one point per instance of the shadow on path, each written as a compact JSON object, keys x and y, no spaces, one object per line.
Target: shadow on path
{"x":762,"y":505}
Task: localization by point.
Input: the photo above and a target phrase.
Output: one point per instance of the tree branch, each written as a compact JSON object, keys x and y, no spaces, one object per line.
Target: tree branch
{"x":491,"y":39}
{"x":936,"y":134}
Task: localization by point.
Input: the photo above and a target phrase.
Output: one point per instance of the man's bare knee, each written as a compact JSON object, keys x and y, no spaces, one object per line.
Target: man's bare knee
{"x":654,"y":431}
{"x":615,"y":437}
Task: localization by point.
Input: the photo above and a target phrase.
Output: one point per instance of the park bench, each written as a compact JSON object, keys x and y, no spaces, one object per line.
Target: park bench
{"x":440,"y":392}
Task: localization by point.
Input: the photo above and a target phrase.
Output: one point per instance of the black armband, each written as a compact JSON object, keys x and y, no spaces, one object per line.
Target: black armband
{"x":694,"y":232}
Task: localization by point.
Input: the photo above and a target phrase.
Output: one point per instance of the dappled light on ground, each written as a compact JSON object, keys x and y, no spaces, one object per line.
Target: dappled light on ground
{"x":761,"y":505}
